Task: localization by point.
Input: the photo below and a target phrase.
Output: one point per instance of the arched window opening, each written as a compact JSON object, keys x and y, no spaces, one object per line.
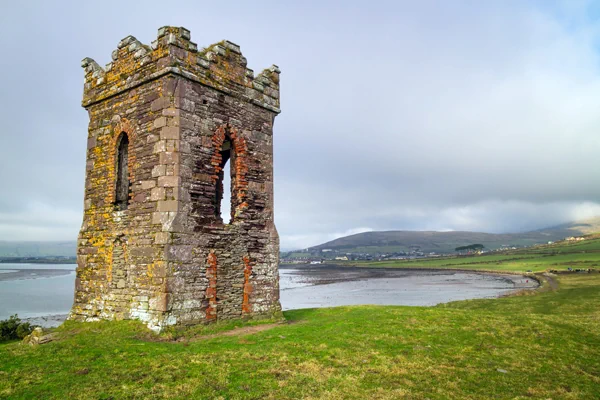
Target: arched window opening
{"x":222,"y":196}
{"x":122,"y":173}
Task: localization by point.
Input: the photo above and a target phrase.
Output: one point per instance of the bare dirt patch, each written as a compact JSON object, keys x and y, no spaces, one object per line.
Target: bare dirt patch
{"x":243,"y":331}
{"x":551,"y":281}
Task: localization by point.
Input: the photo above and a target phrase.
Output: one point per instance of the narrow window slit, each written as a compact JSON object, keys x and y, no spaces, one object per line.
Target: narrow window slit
{"x":122,"y":173}
{"x":222,"y":196}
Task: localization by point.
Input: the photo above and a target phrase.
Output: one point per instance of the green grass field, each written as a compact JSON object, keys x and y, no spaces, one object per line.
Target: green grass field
{"x":541,"y":345}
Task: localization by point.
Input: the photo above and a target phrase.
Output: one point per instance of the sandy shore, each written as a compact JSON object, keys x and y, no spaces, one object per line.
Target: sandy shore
{"x":14,"y":274}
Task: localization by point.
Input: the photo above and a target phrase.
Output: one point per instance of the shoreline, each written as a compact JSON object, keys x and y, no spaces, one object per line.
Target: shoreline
{"x":15,"y":274}
{"x":325,"y":274}
{"x":47,"y":321}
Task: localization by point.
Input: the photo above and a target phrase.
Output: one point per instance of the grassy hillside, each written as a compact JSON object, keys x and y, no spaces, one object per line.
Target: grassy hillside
{"x":533,"y":346}
{"x":446,"y":242}
{"x":38,"y":249}
{"x":439,"y":242}
{"x":558,"y":256}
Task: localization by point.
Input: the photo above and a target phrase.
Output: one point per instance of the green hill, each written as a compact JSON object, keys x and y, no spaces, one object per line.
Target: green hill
{"x":446,"y":242}
{"x":559,"y":256}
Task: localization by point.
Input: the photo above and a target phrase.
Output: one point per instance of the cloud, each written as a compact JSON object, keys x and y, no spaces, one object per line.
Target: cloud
{"x":294,"y":242}
{"x":39,"y":221}
{"x":396,"y":115}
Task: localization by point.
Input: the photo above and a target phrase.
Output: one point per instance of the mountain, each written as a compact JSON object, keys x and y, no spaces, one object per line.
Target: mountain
{"x":446,"y":242}
{"x":38,"y":249}
{"x":581,"y":227}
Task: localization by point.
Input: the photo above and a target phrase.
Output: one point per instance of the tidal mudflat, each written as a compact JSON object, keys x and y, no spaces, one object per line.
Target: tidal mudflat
{"x":328,"y":286}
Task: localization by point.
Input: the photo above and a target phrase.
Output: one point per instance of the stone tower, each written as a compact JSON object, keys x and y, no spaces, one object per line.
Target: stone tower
{"x":164,"y":121}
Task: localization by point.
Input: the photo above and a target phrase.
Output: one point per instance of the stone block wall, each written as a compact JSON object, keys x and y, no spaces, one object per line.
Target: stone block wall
{"x":168,"y":258}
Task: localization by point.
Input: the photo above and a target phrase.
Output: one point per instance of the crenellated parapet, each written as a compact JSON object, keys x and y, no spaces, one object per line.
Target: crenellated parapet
{"x":220,"y":66}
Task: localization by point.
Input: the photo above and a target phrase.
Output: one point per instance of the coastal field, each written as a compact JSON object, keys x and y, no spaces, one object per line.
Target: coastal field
{"x":535,"y":345}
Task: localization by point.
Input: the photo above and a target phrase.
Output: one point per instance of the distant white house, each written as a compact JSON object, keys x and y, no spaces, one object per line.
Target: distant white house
{"x":576,"y":239}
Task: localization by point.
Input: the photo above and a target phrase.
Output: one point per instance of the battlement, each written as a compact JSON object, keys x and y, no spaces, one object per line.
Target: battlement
{"x":220,"y":66}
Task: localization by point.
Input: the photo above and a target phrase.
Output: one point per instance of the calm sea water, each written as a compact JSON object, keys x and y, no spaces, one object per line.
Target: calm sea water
{"x":36,"y":290}
{"x":33,"y":290}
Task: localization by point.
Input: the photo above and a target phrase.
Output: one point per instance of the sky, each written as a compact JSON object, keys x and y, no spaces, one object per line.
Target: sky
{"x":396,"y":115}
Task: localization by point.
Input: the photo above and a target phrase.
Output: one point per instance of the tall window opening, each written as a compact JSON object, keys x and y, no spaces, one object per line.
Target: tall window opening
{"x":122,"y":173}
{"x":222,"y":196}
{"x":226,"y":201}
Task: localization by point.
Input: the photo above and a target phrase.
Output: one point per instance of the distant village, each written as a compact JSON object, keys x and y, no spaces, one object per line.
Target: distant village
{"x":313,"y":256}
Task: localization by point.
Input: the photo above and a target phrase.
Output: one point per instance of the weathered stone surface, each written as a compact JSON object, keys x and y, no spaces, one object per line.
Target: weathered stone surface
{"x":167,"y":257}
